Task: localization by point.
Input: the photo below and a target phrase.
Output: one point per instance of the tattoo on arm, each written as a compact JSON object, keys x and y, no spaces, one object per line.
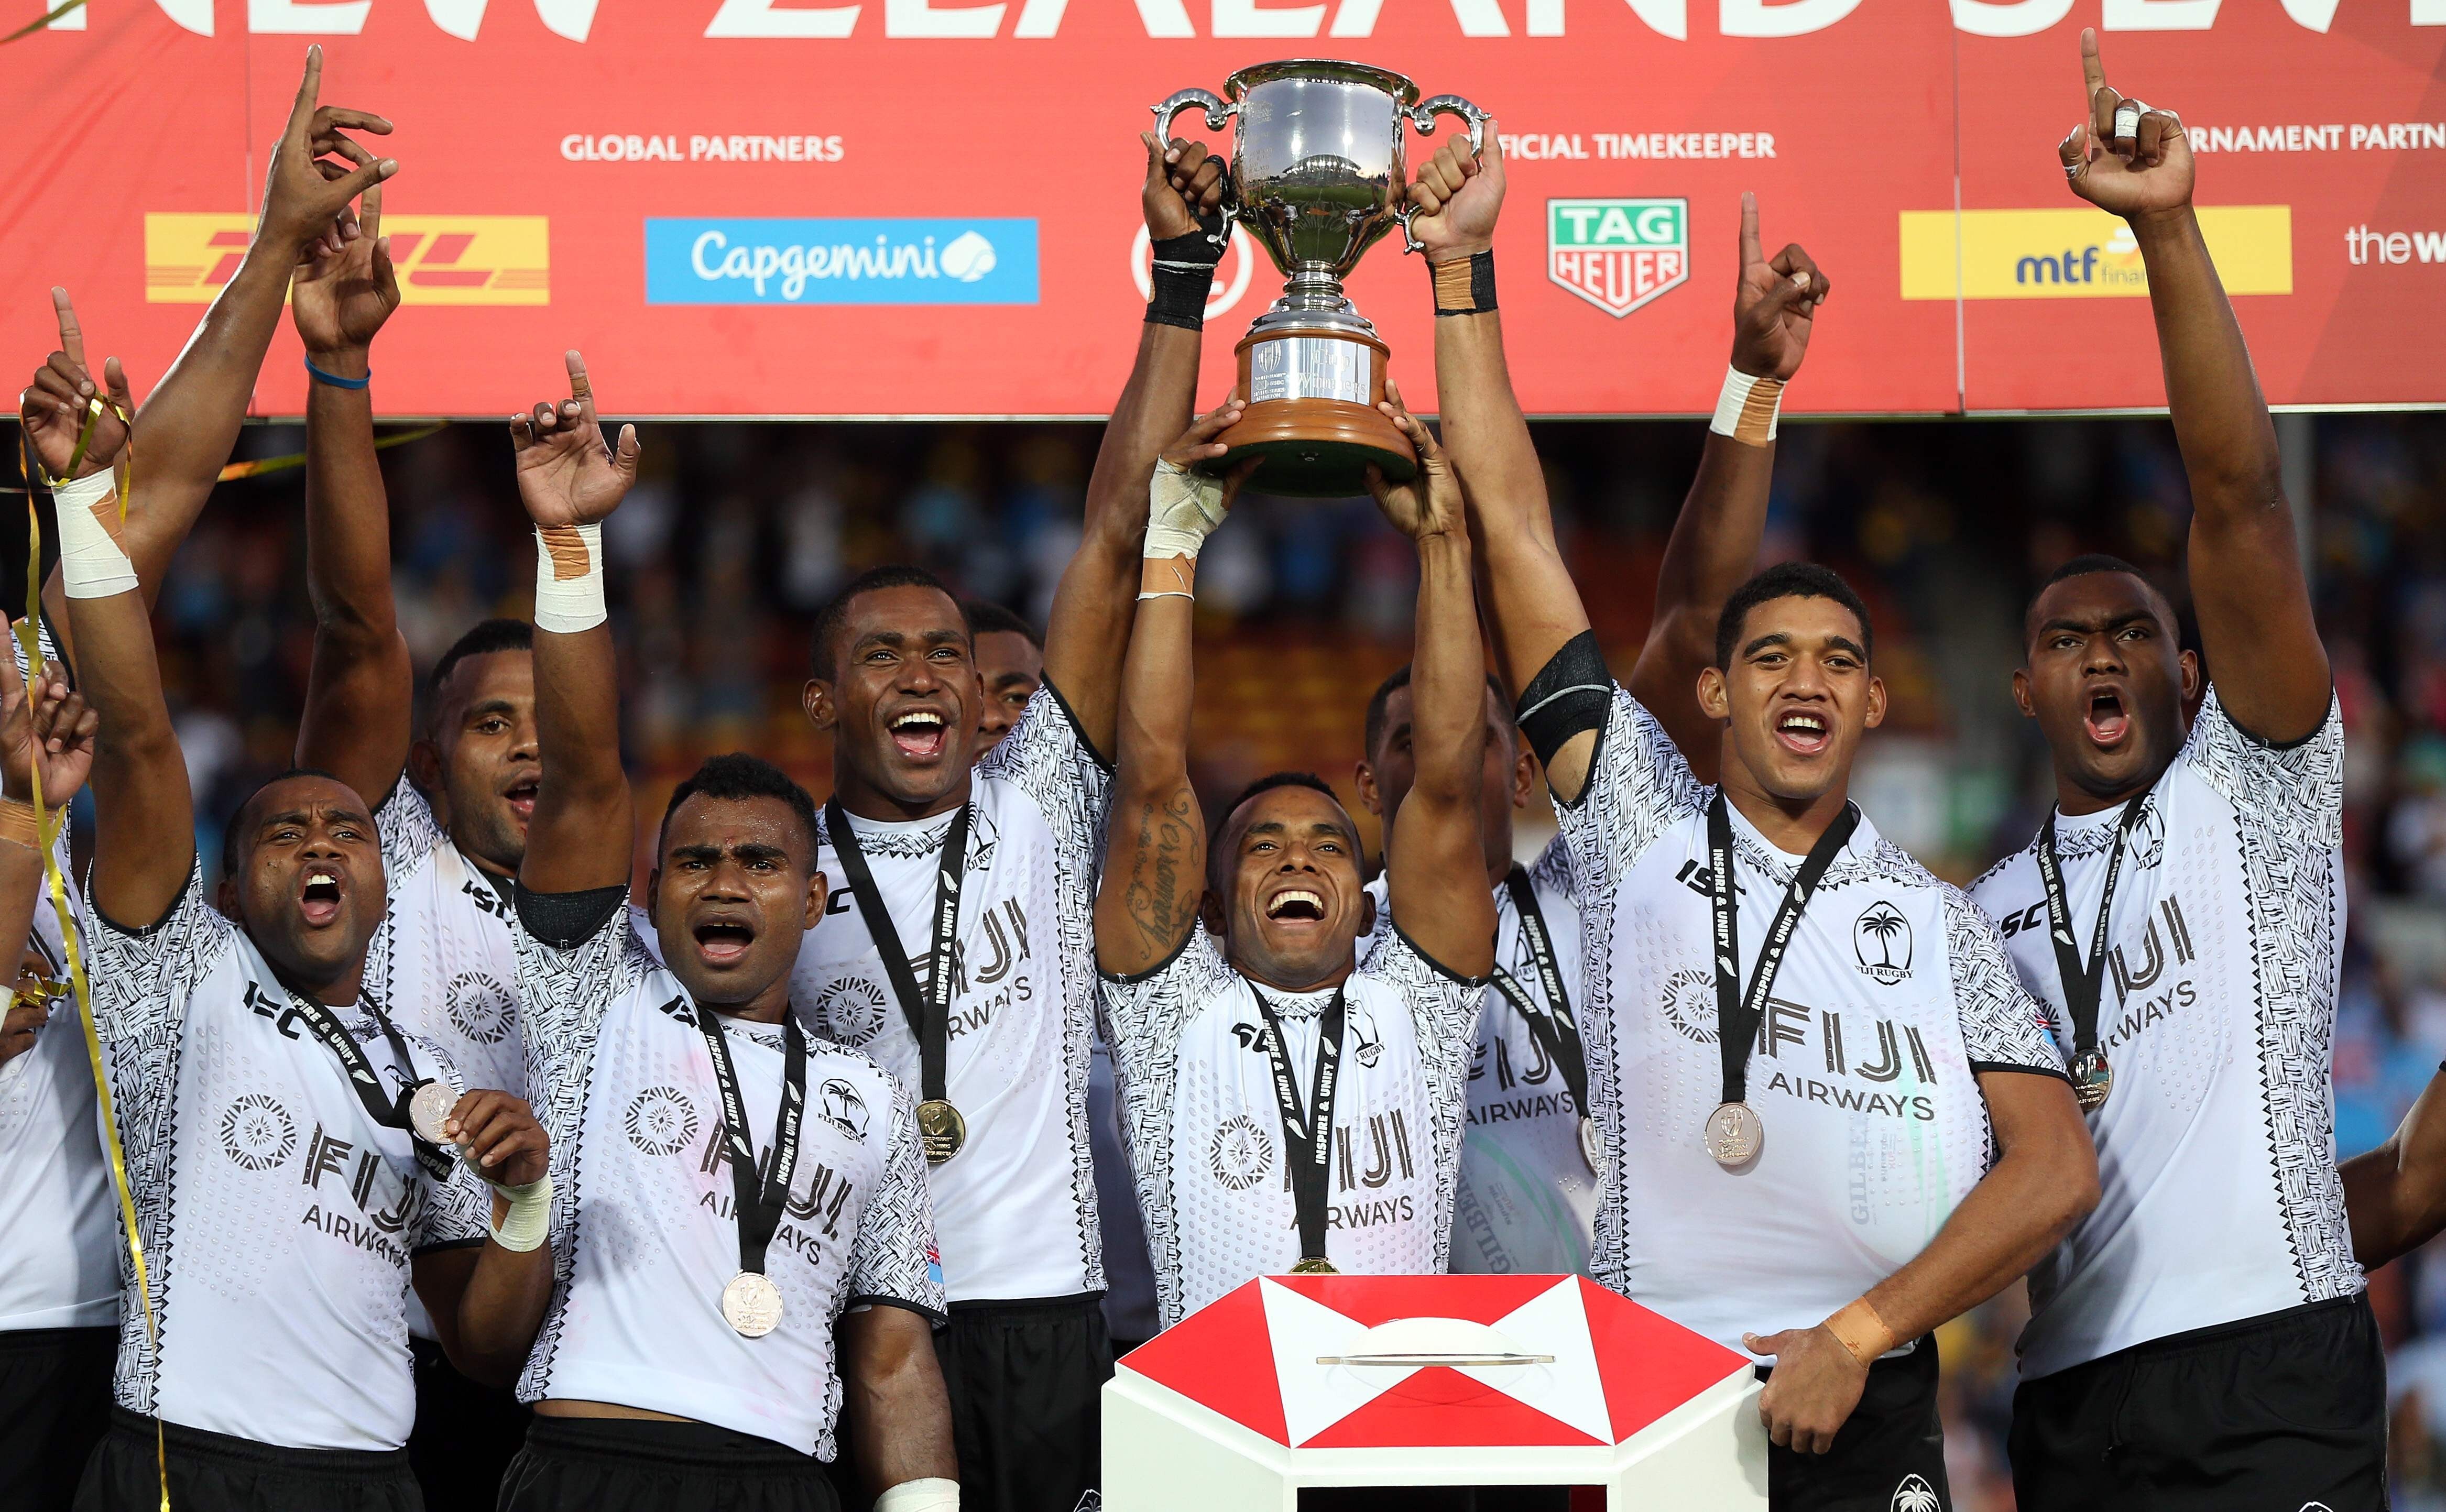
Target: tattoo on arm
{"x":1165,"y":859}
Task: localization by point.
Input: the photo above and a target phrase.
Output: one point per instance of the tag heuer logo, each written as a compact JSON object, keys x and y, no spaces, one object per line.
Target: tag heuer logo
{"x":1618,"y":253}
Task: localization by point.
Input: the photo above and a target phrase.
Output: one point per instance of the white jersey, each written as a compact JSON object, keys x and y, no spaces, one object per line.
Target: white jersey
{"x":2216,"y":1161}
{"x":59,"y":1219}
{"x":1016,"y":1206}
{"x":1893,"y":992}
{"x":1527,"y":1200}
{"x":278,"y":1217}
{"x":442,"y":964}
{"x":1205,"y":1129}
{"x":645,"y":1229}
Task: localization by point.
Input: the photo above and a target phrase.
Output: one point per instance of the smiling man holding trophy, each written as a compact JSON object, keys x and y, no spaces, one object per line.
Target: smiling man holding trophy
{"x":1318,"y":176}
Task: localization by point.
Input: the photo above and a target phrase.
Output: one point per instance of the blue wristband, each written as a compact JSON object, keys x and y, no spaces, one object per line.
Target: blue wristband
{"x":335,"y":379}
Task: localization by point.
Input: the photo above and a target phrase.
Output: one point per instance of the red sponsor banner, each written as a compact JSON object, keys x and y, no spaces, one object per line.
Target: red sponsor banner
{"x":910,"y":207}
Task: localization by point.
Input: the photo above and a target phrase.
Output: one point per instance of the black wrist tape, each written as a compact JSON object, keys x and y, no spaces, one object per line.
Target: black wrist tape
{"x":1571,"y":693}
{"x":1183,"y":275}
{"x":1465,"y":288}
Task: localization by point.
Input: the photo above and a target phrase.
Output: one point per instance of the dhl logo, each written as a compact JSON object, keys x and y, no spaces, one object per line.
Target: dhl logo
{"x":2079,"y":253}
{"x":440,"y":259}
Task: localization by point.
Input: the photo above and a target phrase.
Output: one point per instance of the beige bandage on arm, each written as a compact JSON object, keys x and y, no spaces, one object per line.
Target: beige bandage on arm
{"x":93,"y":563}
{"x":1746,"y":409}
{"x":569,"y":578}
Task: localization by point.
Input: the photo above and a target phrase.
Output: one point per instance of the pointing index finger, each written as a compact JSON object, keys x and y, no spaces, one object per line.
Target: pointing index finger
{"x":579,"y":389}
{"x":2093,"y":68}
{"x":71,"y":335}
{"x":310,"y":88}
{"x":1751,"y":256}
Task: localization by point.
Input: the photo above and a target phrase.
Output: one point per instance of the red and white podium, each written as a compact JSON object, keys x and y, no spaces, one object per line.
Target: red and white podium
{"x":1311,"y":1381}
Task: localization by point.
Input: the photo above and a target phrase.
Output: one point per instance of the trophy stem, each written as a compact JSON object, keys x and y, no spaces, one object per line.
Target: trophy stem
{"x":1312,"y":287}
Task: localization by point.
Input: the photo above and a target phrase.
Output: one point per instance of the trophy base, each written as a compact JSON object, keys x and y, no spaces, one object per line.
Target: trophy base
{"x":1317,"y":448}
{"x":1313,"y":385}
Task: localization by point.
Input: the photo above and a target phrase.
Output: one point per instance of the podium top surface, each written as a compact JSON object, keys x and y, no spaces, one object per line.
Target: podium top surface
{"x":1593,"y":1367}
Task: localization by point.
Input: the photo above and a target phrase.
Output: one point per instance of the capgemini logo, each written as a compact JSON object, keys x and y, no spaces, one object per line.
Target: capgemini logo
{"x":969,"y":257}
{"x":774,"y":261}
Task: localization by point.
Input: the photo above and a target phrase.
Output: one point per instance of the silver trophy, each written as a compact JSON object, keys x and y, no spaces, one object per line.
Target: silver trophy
{"x":1317,"y":176}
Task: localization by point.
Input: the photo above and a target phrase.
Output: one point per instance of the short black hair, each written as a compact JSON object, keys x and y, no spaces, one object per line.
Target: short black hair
{"x":1787,"y":580}
{"x":740,"y":775}
{"x":1266,"y":784}
{"x":485,"y":638}
{"x":1373,"y":730}
{"x":873,"y":580}
{"x":2093,"y":562}
{"x":234,"y":845}
{"x":987,"y":618}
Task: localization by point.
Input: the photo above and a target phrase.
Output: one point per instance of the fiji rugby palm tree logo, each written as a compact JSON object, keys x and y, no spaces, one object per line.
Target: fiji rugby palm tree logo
{"x":1882,"y":938}
{"x":1915,"y":1495}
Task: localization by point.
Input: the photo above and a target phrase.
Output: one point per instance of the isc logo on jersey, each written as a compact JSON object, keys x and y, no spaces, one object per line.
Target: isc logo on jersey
{"x":1618,"y":253}
{"x":440,"y":259}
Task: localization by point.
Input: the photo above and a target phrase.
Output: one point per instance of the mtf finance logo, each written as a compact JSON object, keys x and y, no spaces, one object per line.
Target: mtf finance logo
{"x":2079,"y":253}
{"x":440,"y":259}
{"x":841,"y":262}
{"x":1618,"y":253}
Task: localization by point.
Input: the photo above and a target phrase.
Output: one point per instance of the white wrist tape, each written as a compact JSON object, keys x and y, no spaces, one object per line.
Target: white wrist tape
{"x":528,"y":1221}
{"x":92,"y":562}
{"x":569,"y":578}
{"x":934,"y":1494}
{"x":1183,"y":508}
{"x":1746,"y":409}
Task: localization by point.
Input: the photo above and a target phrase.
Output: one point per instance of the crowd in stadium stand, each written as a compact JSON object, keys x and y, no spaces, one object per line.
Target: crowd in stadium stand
{"x":1945,"y":526}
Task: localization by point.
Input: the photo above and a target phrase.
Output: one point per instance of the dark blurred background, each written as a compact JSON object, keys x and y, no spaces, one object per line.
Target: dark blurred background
{"x":719,"y":560}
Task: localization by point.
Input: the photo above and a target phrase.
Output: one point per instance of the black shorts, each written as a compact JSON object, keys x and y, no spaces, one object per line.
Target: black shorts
{"x":636,"y":1464}
{"x":1889,"y":1455}
{"x":214,"y":1472}
{"x":1026,"y":1382}
{"x":54,"y":1408}
{"x":465,"y":1434}
{"x":2283,"y":1411}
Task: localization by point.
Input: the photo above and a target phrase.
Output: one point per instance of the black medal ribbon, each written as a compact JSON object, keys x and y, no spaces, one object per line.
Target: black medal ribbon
{"x":390,"y":1112}
{"x":1557,"y":1033}
{"x":2083,"y":980}
{"x":1738,"y":1012}
{"x":929,"y":1012}
{"x":759,"y":1207}
{"x":1307,"y":1140}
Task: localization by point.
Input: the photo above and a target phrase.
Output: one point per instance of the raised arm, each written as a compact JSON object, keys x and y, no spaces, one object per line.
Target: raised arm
{"x":2256,"y":625}
{"x":1155,"y":858}
{"x":1089,"y":627}
{"x":31,"y":729}
{"x":1531,"y":607}
{"x":1715,"y":543}
{"x":1437,"y":863}
{"x":584,"y":831}
{"x":361,"y":688}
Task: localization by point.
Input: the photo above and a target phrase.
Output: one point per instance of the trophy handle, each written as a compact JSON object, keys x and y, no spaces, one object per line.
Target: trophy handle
{"x":1422,"y":115}
{"x":1218,"y":115}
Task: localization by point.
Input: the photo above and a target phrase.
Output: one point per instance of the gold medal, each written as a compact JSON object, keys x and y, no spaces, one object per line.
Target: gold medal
{"x":2091,"y":1079}
{"x":1314,"y":1265}
{"x":941,"y":1130}
{"x":1592,"y":1146}
{"x":752,"y":1304}
{"x":429,"y":1111}
{"x":1734,"y":1136}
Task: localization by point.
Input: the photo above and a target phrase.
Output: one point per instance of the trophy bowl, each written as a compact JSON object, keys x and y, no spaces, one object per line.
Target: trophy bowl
{"x":1318,"y":176}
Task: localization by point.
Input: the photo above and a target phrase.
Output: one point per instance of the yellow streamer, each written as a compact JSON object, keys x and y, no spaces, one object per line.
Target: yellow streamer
{"x":281,"y":464}
{"x":28,"y":631}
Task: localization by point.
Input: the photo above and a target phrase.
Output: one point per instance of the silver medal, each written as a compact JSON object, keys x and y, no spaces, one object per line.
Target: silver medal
{"x":1592,"y":1146}
{"x":428,"y":1110}
{"x":1734,"y":1136}
{"x":752,"y":1304}
{"x":2091,"y":1079}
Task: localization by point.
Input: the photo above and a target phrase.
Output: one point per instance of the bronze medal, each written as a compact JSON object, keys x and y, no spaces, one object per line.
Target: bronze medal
{"x":1734,"y":1136}
{"x":752,"y":1304}
{"x":941,"y":1130}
